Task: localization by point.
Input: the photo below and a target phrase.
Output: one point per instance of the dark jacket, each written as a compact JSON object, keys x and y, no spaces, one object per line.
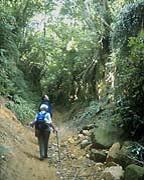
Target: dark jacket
{"x":47,"y":102}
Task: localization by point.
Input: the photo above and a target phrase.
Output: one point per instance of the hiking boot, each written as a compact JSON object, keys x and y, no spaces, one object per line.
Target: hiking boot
{"x":41,"y":158}
{"x":46,"y":156}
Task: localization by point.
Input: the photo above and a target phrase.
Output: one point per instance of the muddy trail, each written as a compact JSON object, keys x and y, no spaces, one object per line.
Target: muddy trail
{"x":19,"y":153}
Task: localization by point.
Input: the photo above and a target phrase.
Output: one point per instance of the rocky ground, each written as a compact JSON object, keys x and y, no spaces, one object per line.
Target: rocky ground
{"x":71,"y":155}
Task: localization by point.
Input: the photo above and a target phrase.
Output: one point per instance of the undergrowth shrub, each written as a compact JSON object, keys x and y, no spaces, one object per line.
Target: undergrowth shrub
{"x":130,"y":88}
{"x":23,"y":109}
{"x":12,"y":79}
{"x":87,"y":113}
{"x":128,"y":46}
{"x":128,"y":24}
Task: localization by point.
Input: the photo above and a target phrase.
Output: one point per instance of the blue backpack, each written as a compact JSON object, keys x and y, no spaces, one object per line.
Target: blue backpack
{"x":40,"y":123}
{"x":41,"y":116}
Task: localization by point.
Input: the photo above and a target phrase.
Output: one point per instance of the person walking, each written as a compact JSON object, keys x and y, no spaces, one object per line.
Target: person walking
{"x":46,"y":101}
{"x":43,"y":127}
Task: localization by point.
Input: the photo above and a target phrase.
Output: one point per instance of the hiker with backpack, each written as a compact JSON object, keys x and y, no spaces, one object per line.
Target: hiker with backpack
{"x":43,"y":126}
{"x":46,"y":101}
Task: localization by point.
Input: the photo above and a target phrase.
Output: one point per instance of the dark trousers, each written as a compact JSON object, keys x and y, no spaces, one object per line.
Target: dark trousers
{"x":43,"y":138}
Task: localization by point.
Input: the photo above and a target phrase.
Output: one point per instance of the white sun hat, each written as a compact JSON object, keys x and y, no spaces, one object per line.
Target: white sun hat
{"x":44,"y":107}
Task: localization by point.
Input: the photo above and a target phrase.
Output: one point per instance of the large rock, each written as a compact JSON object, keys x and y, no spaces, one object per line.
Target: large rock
{"x":85,"y":143}
{"x":85,"y":132}
{"x":113,"y":173}
{"x":134,"y":172}
{"x":105,"y":137}
{"x":89,"y":126}
{"x":81,"y":137}
{"x":113,"y":152}
{"x":125,"y":157}
{"x":97,"y":155}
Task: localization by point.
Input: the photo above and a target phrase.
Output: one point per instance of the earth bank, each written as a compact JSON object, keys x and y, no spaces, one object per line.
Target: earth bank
{"x":81,"y":157}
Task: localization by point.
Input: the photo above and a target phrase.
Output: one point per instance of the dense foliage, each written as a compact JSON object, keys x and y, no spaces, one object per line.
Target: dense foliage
{"x":68,"y":54}
{"x":129,"y":90}
{"x":12,"y":81}
{"x":74,"y":51}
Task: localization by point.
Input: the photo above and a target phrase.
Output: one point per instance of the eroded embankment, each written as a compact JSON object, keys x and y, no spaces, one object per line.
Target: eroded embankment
{"x":19,"y":154}
{"x":19,"y":151}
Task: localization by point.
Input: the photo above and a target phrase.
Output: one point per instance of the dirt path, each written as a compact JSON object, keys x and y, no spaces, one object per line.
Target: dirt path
{"x":74,"y":164}
{"x":19,"y":153}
